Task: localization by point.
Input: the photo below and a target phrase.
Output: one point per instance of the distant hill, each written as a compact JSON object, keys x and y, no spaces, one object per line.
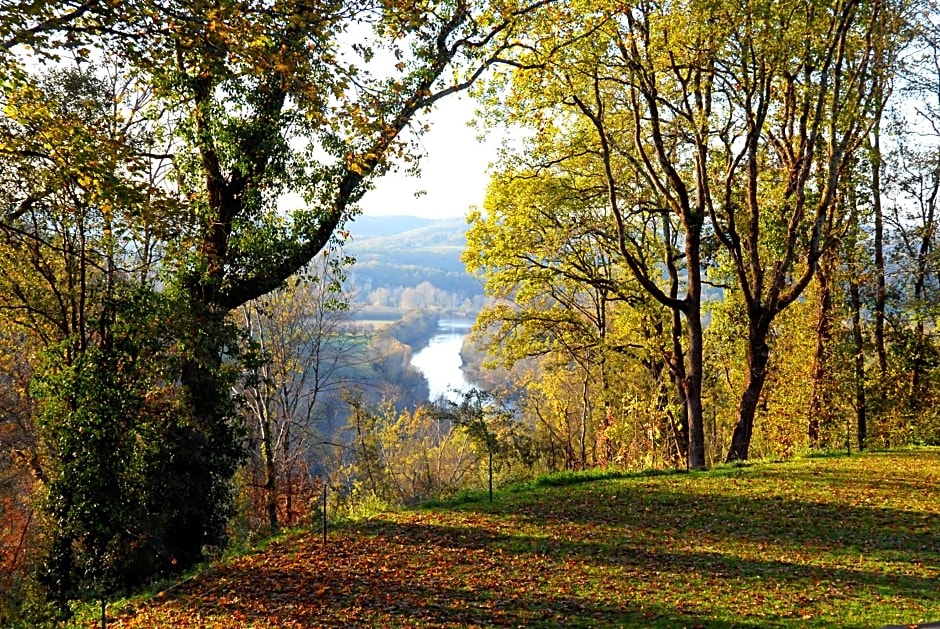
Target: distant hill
{"x":371,"y":226}
{"x":396,"y":253}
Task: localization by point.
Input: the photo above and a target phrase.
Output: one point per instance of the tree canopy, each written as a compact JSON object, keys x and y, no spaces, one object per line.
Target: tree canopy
{"x":150,"y":147}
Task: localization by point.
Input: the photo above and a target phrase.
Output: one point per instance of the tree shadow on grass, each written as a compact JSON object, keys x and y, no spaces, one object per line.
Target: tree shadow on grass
{"x":417,"y":574}
{"x":357,"y":582}
{"x":838,"y":555}
{"x":647,"y":562}
{"x":865,"y":528}
{"x":643,"y":553}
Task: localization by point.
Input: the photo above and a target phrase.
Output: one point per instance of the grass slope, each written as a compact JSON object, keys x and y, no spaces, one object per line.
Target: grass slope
{"x":820,"y":542}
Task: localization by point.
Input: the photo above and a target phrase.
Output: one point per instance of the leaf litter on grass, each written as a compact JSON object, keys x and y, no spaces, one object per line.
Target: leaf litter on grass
{"x":820,"y":542}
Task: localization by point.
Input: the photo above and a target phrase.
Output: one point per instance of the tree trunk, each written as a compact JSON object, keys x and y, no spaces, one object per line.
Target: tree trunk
{"x":694,"y":389}
{"x":262,"y":397}
{"x":209,"y":448}
{"x":820,"y":414}
{"x":270,"y":471}
{"x":861,"y":407}
{"x":921,"y":276}
{"x":758,"y":355}
{"x":918,"y":367}
{"x":880,"y":289}
{"x":489,"y":455}
{"x":57,"y":571}
{"x":288,"y":478}
{"x":585,"y":417}
{"x":680,"y":381}
{"x":693,"y":317}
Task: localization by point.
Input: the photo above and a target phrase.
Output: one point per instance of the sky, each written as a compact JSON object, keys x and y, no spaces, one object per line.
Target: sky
{"x":453,"y":171}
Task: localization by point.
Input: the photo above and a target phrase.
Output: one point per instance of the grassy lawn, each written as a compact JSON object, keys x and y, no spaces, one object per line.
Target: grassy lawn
{"x":820,"y":542}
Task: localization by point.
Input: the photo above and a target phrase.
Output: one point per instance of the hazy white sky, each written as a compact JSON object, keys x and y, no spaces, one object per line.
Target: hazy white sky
{"x":453,"y":171}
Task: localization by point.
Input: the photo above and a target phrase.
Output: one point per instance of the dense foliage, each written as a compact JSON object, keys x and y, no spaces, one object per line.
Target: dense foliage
{"x":718,"y":239}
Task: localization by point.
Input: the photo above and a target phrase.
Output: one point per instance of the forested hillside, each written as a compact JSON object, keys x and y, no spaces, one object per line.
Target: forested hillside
{"x":404,"y":264}
{"x":709,"y":238}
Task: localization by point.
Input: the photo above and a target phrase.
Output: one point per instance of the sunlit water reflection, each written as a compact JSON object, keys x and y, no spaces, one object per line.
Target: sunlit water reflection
{"x":440,"y":361}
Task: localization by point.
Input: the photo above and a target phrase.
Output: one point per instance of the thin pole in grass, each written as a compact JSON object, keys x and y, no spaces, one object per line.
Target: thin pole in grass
{"x":324,"y":512}
{"x":848,"y":437}
{"x":491,"y":474}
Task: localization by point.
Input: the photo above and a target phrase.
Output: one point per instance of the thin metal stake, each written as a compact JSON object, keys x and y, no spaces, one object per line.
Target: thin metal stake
{"x":324,"y":512}
{"x":848,"y":438}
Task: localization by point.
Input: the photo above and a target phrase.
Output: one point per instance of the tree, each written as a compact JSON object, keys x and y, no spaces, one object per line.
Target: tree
{"x":914,"y":219}
{"x":128,"y":495}
{"x":307,"y":354}
{"x":854,"y":279}
{"x":545,"y":250}
{"x":907,"y":349}
{"x":799,"y":106}
{"x":256,"y":100}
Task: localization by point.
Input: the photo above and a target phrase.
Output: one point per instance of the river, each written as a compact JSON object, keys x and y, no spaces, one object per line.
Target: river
{"x":440,"y":361}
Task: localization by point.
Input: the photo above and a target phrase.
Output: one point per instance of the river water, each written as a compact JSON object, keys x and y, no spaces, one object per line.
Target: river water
{"x":440,"y":361}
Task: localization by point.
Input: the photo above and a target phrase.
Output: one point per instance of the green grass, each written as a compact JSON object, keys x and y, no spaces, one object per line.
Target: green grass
{"x":817,"y":542}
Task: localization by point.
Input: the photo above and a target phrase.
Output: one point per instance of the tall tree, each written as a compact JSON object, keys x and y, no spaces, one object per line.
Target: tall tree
{"x":642,"y":117}
{"x":259,"y":99}
{"x":798,"y":102}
